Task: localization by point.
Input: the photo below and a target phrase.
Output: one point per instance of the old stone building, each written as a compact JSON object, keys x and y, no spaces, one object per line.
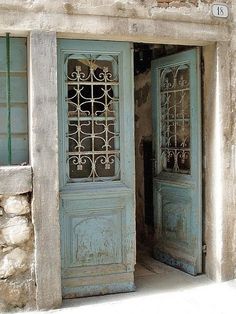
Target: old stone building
{"x":117,"y":127}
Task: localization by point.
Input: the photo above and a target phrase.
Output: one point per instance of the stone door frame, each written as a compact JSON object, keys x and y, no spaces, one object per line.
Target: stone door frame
{"x":43,"y":130}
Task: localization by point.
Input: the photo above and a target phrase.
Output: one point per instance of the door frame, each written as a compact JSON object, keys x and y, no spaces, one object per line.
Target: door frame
{"x":216,"y":84}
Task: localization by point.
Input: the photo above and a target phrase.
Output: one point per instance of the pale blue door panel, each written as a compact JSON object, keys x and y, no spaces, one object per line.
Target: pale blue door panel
{"x":97,"y":241}
{"x":96,"y":167}
{"x":177,"y":151}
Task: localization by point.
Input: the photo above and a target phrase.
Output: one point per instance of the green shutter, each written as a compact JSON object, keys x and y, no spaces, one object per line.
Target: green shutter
{"x":18,"y":98}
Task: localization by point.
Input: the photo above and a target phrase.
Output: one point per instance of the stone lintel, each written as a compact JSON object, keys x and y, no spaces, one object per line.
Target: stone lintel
{"x":116,"y":28}
{"x":15,"y":180}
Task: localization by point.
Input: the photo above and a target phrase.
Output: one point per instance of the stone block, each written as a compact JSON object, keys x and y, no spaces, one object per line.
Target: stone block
{"x":16,"y":230}
{"x":15,"y":180}
{"x":3,"y":306}
{"x":16,"y":205}
{"x":17,"y":293}
{"x":7,"y":249}
{"x":1,"y":241}
{"x":13,"y":262}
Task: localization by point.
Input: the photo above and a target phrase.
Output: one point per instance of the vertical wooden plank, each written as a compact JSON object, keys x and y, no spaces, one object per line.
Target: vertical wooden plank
{"x":44,"y":161}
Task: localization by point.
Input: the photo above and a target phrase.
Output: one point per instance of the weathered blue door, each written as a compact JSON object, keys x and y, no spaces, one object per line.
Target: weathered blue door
{"x":177,"y":150}
{"x":96,"y":167}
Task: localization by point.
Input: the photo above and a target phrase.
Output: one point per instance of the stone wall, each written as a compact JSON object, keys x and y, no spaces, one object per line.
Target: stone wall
{"x":17,"y":283}
{"x":184,"y":3}
{"x":23,"y":16}
{"x":231,"y":223}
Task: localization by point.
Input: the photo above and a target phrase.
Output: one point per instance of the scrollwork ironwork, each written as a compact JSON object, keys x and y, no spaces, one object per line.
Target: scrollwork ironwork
{"x":93,"y":135}
{"x":175,"y":119}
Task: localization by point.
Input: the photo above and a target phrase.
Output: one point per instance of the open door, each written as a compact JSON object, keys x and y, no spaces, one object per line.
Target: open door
{"x":96,"y":141}
{"x":177,"y":154}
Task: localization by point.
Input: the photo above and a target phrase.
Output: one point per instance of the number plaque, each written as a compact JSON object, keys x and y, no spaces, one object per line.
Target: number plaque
{"x":220,"y":10}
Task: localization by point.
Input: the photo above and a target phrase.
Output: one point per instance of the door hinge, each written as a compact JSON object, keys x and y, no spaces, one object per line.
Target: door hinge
{"x":204,"y":249}
{"x":202,"y":67}
{"x":154,"y":165}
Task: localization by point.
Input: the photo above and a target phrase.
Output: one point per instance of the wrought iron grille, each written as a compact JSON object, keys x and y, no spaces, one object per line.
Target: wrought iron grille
{"x":175,"y":118}
{"x":92,"y":86}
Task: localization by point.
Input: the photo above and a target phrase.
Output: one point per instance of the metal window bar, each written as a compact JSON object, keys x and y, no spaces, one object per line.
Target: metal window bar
{"x":8,"y":97}
{"x":83,"y":154}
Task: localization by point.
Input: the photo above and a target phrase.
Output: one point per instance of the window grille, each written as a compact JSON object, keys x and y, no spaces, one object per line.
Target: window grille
{"x":175,"y":119}
{"x":92,"y":88}
{"x":13,"y":101}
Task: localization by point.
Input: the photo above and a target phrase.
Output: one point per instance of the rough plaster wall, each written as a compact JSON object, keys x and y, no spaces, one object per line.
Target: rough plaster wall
{"x":219,"y":161}
{"x":186,"y":10}
{"x":226,"y":123}
{"x":184,"y":3}
{"x":143,"y":128}
{"x":231,"y":223}
{"x":82,"y":6}
{"x":208,"y":96}
{"x":228,"y":163}
{"x":17,"y":284}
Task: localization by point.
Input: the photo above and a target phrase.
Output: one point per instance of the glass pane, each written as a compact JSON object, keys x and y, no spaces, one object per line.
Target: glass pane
{"x":93,"y":118}
{"x":175,"y":119}
{"x":14,"y":149}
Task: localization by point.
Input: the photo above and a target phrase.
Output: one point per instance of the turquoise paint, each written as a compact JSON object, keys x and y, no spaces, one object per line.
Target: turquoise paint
{"x":8,"y":96}
{"x":101,"y":289}
{"x":178,"y":197}
{"x":18,"y":102}
{"x":97,"y":218}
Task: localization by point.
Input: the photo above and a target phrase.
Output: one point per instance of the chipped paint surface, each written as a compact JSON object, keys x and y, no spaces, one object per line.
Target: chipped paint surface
{"x":185,"y":23}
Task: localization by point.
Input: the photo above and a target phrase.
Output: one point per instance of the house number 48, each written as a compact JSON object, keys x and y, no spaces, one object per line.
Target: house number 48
{"x":220,"y":10}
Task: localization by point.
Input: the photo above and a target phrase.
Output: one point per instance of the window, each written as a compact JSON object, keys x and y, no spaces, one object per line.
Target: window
{"x":175,"y":118}
{"x":13,"y":101}
{"x":93,"y":134}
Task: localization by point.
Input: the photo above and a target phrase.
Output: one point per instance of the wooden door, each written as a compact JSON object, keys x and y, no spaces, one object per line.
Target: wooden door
{"x":177,"y":151}
{"x":96,"y":139}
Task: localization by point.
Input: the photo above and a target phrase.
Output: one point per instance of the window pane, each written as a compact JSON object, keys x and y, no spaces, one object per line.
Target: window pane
{"x":19,"y":100}
{"x":175,"y":119}
{"x":92,"y":87}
